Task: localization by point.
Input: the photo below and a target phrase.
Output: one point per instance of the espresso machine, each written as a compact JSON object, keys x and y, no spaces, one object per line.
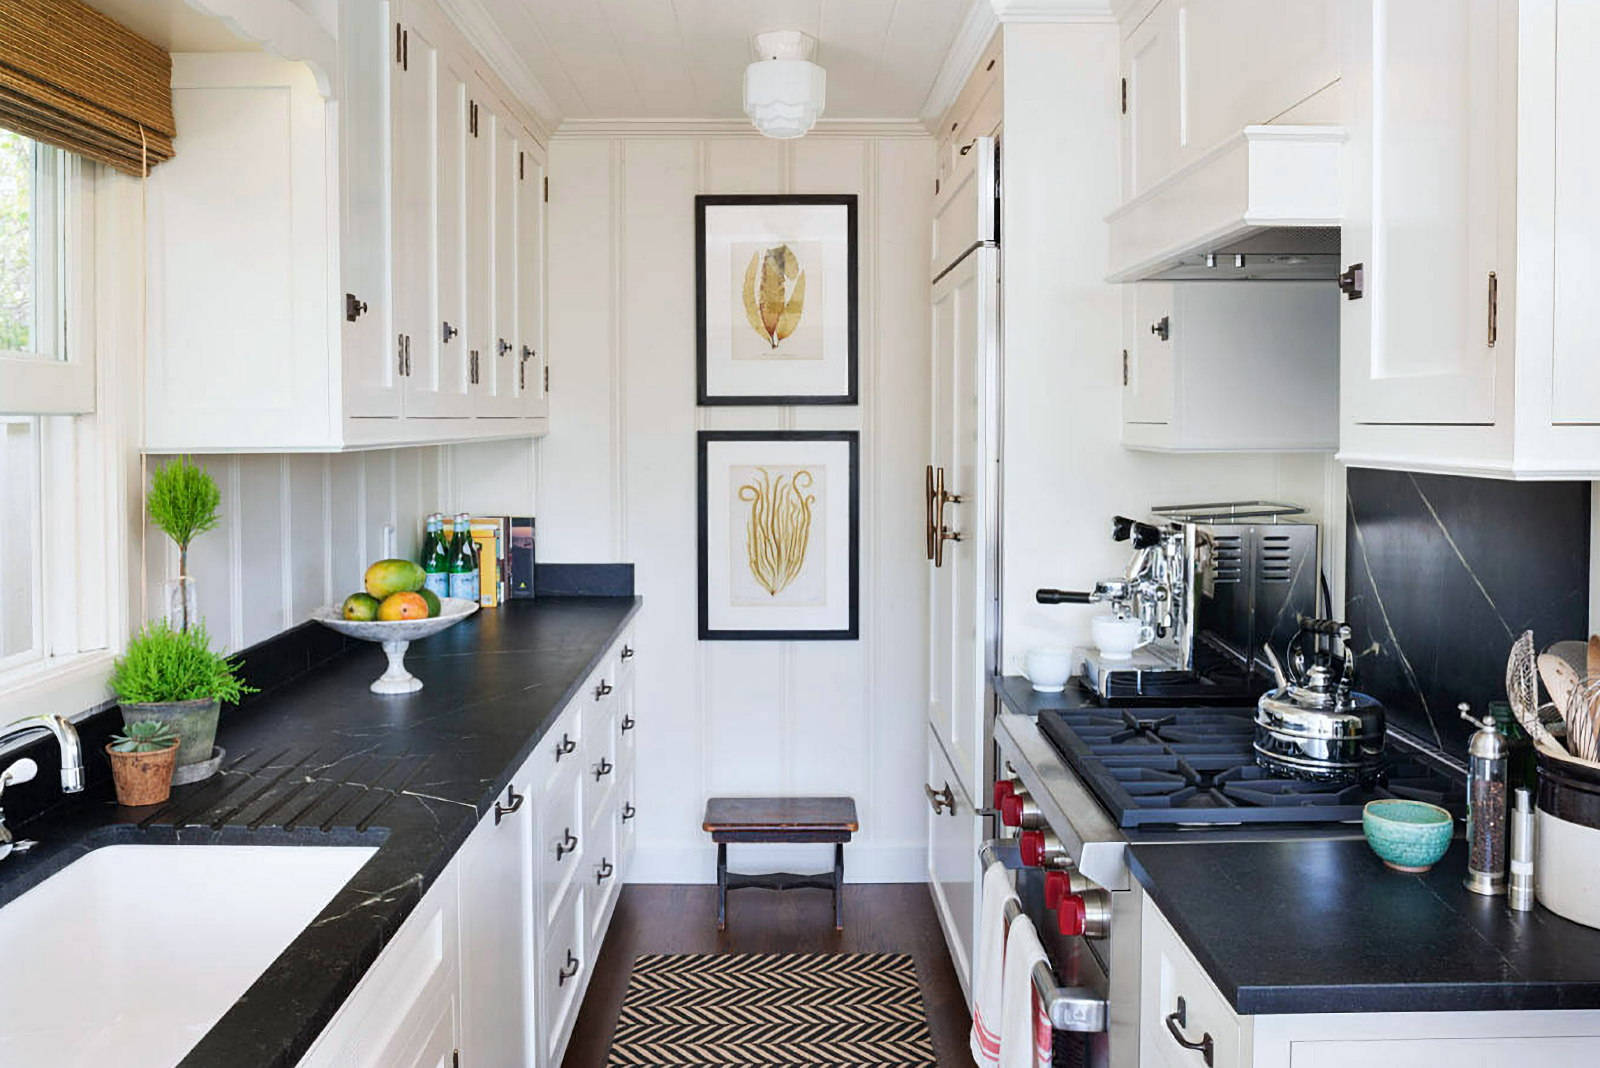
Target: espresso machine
{"x":1213,"y":583}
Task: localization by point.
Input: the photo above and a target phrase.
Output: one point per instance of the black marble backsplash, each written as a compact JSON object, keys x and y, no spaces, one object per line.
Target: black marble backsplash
{"x":1442,"y":574}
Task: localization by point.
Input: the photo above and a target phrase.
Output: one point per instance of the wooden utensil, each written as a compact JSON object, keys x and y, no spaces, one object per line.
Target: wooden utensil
{"x":1560,"y":678}
{"x":1583,"y":719}
{"x":1593,"y":671}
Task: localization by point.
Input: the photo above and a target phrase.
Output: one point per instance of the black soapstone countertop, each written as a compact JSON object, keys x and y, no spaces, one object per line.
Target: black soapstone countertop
{"x":410,"y":774}
{"x":1323,"y":926}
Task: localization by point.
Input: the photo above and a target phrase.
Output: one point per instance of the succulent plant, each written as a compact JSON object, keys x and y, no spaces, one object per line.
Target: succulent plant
{"x":145,"y":736}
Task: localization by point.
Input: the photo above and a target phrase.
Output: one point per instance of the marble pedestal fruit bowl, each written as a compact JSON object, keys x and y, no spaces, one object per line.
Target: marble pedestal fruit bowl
{"x":1408,"y":836}
{"x":396,"y":637}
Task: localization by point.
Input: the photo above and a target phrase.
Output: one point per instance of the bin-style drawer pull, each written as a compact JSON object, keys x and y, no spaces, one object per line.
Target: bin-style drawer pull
{"x":1179,"y":1019}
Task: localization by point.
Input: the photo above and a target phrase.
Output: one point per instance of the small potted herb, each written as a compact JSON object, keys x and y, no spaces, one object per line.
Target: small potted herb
{"x":183,"y":503}
{"x":174,"y":677}
{"x":143,"y":757}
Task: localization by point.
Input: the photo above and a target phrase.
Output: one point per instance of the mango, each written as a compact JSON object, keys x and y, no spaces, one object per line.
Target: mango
{"x":403,"y":605}
{"x":361,"y":607}
{"x":394,"y":576}
{"x":433,"y":601}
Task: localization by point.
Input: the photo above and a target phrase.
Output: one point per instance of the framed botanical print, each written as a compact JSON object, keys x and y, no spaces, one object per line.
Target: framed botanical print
{"x":780,"y":535}
{"x":775,"y":295}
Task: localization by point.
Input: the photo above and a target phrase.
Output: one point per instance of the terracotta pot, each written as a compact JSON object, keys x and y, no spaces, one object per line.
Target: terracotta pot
{"x":143,"y":778}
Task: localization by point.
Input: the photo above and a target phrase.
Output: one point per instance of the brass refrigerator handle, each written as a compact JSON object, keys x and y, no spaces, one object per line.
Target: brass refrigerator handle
{"x":927,"y":499}
{"x":941,"y":533}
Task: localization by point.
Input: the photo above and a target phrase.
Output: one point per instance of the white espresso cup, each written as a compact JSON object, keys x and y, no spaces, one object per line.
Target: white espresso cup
{"x":1118,"y":636}
{"x":1047,"y":669}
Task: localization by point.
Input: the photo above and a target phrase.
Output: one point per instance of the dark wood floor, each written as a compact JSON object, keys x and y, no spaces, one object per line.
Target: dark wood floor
{"x":878,"y":918}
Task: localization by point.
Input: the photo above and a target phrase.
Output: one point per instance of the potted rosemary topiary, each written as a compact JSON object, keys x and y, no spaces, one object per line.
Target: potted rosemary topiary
{"x":183,"y":504}
{"x":142,"y":760}
{"x":174,"y":677}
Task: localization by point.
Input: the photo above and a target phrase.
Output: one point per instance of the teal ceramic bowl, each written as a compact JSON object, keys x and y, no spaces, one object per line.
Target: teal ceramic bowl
{"x":1408,"y":836}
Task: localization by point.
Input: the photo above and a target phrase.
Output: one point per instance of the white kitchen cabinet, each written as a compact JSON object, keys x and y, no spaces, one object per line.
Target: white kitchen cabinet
{"x":1151,"y":119}
{"x":955,"y":830}
{"x":496,"y":879}
{"x":313,"y":255}
{"x":1168,"y":972}
{"x":1445,"y":367}
{"x":1196,"y":348}
{"x":530,"y":244}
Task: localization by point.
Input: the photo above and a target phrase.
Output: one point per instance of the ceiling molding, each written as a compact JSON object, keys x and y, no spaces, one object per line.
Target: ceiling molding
{"x":284,"y":30}
{"x":1094,"y":11}
{"x":977,"y":29}
{"x":732,"y":128}
{"x":481,"y":32}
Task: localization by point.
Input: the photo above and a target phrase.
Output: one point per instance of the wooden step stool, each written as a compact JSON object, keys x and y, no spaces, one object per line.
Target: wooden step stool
{"x":785,"y":820}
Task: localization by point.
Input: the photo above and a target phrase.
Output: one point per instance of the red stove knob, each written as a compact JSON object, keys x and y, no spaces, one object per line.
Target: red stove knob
{"x":1057,"y":885}
{"x":1071,"y":914}
{"x":1003,"y":788}
{"x":1011,"y":811}
{"x":1031,"y":845}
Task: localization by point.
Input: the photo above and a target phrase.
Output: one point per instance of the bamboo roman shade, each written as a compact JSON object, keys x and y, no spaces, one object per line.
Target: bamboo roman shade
{"x":70,"y":76}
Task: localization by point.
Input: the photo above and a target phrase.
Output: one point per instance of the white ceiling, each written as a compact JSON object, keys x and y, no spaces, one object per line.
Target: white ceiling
{"x":174,"y":26}
{"x":685,"y":59}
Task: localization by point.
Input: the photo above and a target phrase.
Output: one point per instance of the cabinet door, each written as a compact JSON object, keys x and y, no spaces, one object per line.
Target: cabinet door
{"x":1422,"y":209}
{"x":497,"y":931}
{"x":448,"y":392}
{"x":531,"y":280}
{"x":367,"y":59}
{"x":954,"y":834}
{"x":1148,"y":332}
{"x":495,"y":214}
{"x":1575,"y":383}
{"x":479,"y":332}
{"x":563,"y":974}
{"x":962,"y":447}
{"x":434,"y":1048}
{"x":1151,"y":139}
{"x":412,"y":119}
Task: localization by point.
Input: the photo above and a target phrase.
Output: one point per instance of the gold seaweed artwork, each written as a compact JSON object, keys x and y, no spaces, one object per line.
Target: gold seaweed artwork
{"x":774,"y":293}
{"x":778,"y":530}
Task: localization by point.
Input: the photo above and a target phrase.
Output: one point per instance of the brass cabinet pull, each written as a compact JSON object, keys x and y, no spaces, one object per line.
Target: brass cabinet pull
{"x":942,"y":533}
{"x":567,"y":844}
{"x":1180,"y":1018}
{"x":941,"y":800}
{"x":928,"y":499}
{"x":1494,"y":309}
{"x":513,"y":802}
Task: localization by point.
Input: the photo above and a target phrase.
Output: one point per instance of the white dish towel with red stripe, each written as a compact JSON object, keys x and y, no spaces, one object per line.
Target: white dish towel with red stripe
{"x":1026,"y":1038}
{"x":988,"y":972}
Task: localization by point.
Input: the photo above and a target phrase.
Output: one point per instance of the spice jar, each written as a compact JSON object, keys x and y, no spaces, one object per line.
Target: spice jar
{"x":1487,"y":760}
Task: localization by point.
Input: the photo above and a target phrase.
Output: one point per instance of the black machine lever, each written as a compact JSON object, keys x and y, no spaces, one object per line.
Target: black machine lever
{"x":1062,"y":597}
{"x":1144,"y":535}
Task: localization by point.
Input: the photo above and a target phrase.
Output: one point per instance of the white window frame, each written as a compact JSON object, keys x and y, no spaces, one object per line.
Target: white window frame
{"x":30,"y":385}
{"x":83,"y":454}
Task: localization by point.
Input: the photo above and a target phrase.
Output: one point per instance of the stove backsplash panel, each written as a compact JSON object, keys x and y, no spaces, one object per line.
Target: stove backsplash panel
{"x":1442,"y":573}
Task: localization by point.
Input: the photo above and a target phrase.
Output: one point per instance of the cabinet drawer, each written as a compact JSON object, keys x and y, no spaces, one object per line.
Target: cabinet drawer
{"x":1168,"y":972}
{"x":627,"y":724}
{"x":401,"y":994}
{"x":563,"y":973}
{"x":598,"y":701}
{"x":602,"y":867}
{"x":560,"y":847}
{"x":627,"y":813}
{"x":627,"y":655}
{"x":602,"y":762}
{"x":561,"y":748}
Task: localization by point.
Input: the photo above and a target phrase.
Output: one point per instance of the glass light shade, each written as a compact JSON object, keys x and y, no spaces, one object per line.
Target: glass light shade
{"x":784,"y":97}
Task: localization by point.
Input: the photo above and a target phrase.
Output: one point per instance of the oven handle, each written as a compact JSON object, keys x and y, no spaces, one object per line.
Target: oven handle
{"x":1070,"y":1008}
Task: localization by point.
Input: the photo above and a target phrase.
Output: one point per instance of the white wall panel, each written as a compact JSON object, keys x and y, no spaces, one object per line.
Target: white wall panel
{"x":740,"y":717}
{"x":295,"y":531}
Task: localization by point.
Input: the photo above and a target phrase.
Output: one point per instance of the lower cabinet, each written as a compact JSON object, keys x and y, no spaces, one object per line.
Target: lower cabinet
{"x":491,"y":968}
{"x":955,"y":830}
{"x":1171,"y":982}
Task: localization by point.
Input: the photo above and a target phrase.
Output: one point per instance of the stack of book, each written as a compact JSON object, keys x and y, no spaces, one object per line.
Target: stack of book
{"x":506,"y":549}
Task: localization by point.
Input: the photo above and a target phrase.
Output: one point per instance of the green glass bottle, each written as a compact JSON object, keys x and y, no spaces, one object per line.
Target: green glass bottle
{"x":436,"y":557}
{"x":463,"y":561}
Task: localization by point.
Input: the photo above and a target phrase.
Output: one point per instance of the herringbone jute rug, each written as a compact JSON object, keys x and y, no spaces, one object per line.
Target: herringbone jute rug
{"x":773,"y":1010}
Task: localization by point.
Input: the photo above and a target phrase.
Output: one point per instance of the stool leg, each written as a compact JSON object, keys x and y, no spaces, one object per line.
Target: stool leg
{"x":722,"y":886}
{"x":838,"y":886}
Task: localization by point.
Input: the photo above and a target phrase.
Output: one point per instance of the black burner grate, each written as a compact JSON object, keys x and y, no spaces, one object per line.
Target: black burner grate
{"x":1195,"y":766}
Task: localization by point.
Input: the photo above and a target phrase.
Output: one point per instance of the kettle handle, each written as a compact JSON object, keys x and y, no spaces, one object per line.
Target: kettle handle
{"x":1336,"y":631}
{"x":1277,"y":668}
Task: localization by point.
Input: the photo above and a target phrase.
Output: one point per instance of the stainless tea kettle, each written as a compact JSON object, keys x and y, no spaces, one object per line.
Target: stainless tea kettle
{"x":1313,"y":726}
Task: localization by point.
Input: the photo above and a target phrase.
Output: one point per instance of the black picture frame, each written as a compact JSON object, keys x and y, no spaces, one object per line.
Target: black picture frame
{"x":852,"y":315}
{"x":852,"y":632}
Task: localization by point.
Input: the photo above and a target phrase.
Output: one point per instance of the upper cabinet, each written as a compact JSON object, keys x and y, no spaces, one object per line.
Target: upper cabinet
{"x":341,"y":262}
{"x":1471,"y":237}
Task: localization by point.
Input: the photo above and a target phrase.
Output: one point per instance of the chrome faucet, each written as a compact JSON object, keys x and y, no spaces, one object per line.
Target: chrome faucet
{"x":25,"y":769}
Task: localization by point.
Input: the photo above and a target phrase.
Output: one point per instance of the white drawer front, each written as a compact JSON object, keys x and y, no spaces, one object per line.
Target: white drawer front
{"x":561,"y":845}
{"x":1168,"y":972}
{"x":602,"y":760}
{"x":563,"y":973}
{"x":627,"y":815}
{"x":602,"y":866}
{"x":561,"y":748}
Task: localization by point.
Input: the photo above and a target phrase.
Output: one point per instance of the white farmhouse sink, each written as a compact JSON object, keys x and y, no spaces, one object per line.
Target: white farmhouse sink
{"x":130,"y":954}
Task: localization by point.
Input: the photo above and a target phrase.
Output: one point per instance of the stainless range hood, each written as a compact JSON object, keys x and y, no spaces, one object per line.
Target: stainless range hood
{"x":1264,"y":205}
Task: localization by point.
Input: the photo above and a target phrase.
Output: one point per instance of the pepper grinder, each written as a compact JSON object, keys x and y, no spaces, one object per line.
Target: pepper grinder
{"x":1487,"y":754}
{"x":1521,"y":896}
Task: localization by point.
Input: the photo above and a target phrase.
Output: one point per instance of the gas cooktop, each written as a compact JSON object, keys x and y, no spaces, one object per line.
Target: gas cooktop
{"x":1195,"y":767}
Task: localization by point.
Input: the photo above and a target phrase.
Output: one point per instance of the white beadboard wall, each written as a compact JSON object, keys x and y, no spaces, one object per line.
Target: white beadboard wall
{"x":1065,"y":474}
{"x":297,"y":531}
{"x":617,"y":482}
